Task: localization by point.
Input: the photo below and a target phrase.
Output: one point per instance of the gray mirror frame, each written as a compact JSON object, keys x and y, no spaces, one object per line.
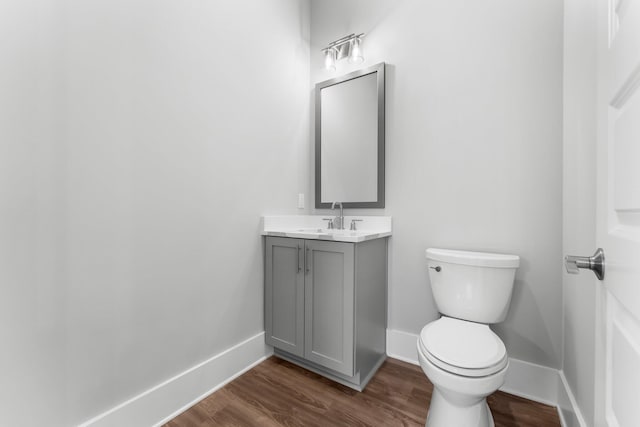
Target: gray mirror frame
{"x":379,"y":69}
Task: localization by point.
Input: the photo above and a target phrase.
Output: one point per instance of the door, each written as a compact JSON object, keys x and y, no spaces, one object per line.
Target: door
{"x":618,"y":216}
{"x":329,"y":311}
{"x":284,"y":294}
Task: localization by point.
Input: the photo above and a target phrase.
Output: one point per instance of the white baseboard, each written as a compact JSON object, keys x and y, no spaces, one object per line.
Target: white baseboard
{"x":163,"y":402}
{"x":568,"y":409}
{"x":402,"y":346}
{"x":533,"y":382}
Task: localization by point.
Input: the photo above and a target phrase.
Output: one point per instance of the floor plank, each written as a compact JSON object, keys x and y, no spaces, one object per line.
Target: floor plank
{"x":277,"y":393}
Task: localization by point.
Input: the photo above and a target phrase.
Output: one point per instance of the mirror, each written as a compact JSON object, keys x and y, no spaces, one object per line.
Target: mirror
{"x":349,"y":152}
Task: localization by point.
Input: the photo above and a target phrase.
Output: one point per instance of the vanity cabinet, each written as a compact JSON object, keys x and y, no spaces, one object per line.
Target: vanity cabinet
{"x":325,"y":305}
{"x":284,"y":294}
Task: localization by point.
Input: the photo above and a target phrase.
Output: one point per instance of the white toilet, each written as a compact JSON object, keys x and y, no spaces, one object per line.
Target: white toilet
{"x":461,"y":356}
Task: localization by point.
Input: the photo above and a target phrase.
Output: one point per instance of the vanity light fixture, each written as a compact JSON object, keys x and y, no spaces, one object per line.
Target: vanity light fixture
{"x":355,"y":56}
{"x":330,"y":59}
{"x":346,"y":47}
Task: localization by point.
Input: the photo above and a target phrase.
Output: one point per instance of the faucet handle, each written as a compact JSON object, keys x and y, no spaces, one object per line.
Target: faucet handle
{"x":353,"y":224}
{"x":329,"y":224}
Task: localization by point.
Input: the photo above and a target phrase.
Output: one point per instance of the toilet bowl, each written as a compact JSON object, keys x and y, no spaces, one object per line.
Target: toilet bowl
{"x":464,"y":359}
{"x":468,"y":365}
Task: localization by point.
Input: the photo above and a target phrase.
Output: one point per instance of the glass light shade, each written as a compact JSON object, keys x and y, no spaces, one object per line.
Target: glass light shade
{"x":330,"y":59}
{"x":355,"y":54}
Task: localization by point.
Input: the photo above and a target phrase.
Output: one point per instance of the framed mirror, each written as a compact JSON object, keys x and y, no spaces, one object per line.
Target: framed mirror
{"x":349,"y":146}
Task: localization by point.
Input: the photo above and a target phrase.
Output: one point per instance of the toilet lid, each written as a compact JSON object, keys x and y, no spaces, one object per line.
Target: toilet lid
{"x":462,"y":347}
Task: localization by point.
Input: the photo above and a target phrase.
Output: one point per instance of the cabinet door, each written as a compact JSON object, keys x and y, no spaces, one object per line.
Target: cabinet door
{"x":329,"y":305}
{"x":284,"y":294}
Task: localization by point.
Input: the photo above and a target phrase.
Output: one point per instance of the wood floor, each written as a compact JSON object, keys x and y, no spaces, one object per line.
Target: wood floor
{"x":278,"y":393}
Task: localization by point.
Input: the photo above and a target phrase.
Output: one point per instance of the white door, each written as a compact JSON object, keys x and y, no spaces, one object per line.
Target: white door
{"x":618,"y":216}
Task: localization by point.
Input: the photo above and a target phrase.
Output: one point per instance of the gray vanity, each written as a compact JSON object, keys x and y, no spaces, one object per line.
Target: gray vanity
{"x":325,"y":286}
{"x":326,"y":300}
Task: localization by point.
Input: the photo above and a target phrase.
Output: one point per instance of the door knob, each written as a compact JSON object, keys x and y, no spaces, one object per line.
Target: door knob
{"x":594,"y":263}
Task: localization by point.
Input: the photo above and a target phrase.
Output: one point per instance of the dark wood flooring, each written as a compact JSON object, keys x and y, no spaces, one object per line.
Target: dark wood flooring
{"x":279,"y":393}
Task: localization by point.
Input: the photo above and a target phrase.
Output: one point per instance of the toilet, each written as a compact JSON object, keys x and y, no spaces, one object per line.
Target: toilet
{"x":463,"y":358}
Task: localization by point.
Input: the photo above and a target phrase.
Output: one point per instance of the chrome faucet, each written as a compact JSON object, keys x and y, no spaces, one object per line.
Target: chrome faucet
{"x":339,"y":221}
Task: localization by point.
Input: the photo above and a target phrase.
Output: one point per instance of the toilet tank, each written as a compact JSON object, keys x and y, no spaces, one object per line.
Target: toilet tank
{"x":473,"y":286}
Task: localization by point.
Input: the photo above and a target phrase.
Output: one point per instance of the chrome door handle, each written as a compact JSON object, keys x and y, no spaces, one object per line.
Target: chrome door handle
{"x":299,"y":251}
{"x":306,"y":260}
{"x":594,"y":263}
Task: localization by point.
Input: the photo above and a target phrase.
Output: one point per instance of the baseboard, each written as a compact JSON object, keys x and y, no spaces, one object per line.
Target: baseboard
{"x":402,"y":346}
{"x":531,"y":381}
{"x":163,"y":402}
{"x":568,"y":409}
{"x":528,"y":380}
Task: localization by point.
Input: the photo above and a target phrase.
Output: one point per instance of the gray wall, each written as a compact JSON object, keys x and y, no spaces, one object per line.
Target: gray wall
{"x":579,"y":199}
{"x":474,"y":146}
{"x":140,"y":144}
{"x":32,"y":286}
{"x":141,"y":141}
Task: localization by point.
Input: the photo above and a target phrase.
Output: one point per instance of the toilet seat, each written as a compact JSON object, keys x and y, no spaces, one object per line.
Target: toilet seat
{"x":463,"y":348}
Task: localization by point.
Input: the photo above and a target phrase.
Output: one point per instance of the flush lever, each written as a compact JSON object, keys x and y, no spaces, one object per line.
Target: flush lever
{"x":594,"y":263}
{"x":437,"y":268}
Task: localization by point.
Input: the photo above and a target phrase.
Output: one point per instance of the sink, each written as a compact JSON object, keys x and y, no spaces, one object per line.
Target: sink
{"x":307,"y":233}
{"x":313,"y":230}
{"x":314,"y":227}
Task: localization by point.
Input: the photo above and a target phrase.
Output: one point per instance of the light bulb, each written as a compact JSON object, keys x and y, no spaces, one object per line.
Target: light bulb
{"x":330,"y":59}
{"x":355,"y":54}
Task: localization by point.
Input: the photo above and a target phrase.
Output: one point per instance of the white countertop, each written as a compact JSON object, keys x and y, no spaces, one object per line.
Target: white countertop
{"x":314,"y":227}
